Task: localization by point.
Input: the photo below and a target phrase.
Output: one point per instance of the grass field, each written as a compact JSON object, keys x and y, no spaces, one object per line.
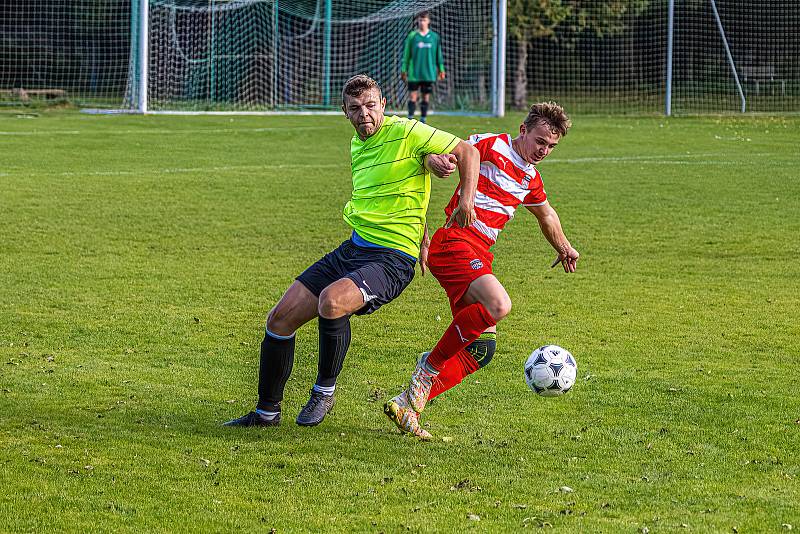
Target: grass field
{"x":139,"y":255}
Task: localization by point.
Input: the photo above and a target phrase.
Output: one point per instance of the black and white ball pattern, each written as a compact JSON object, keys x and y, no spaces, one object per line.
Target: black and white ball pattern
{"x":551,"y":371}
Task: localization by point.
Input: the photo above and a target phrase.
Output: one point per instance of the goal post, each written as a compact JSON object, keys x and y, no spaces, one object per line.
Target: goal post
{"x":281,"y":56}
{"x":136,"y":93}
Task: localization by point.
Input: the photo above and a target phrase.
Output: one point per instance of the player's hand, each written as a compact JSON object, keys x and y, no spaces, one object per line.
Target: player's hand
{"x":442,"y":165}
{"x":404,"y":76}
{"x":424,"y":247}
{"x":568,"y":258}
{"x":441,"y":75}
{"x":463,"y":216}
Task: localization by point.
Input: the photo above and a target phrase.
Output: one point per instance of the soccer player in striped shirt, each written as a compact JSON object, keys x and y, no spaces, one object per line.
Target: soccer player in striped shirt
{"x":391,"y":191}
{"x":460,"y":259}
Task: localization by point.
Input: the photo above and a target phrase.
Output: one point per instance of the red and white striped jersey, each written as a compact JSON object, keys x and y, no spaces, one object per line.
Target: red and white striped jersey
{"x":506,"y":182}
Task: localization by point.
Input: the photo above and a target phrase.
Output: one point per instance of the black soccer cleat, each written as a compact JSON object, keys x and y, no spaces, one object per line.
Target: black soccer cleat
{"x":315,"y":409}
{"x":254,"y":419}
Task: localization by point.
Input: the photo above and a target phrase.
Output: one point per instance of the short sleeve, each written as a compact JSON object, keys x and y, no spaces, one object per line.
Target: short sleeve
{"x":428,"y":140}
{"x":536,"y":195}
{"x":483,"y":143}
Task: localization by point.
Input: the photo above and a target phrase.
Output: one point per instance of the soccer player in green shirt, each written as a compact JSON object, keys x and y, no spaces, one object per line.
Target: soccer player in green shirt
{"x":423,"y":64}
{"x":391,"y":191}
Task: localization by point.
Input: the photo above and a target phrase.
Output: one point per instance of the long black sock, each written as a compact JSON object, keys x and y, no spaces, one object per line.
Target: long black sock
{"x":277,"y":359}
{"x":412,"y":107}
{"x":423,"y":109}
{"x":334,"y":340}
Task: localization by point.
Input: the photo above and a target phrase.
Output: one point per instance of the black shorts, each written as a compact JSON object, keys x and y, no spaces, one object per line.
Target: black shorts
{"x":379,"y":273}
{"x":425,"y":88}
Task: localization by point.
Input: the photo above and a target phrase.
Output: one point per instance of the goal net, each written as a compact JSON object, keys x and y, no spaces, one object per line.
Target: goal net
{"x":273,"y":55}
{"x":71,"y":52}
{"x":612,"y":57}
{"x":736,"y":55}
{"x":604,"y":56}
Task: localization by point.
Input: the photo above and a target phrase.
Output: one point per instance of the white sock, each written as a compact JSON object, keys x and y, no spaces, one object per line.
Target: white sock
{"x":268,"y":415}
{"x":325,"y":390}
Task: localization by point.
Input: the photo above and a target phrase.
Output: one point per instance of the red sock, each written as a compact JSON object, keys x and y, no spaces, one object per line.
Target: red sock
{"x":454,"y":371}
{"x":467,"y":325}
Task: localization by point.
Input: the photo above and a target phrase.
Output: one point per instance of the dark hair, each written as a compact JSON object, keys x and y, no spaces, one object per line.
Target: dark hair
{"x":550,"y":114}
{"x":357,"y":84}
{"x":423,"y":15}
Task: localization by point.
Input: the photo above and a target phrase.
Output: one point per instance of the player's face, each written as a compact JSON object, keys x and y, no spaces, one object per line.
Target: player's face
{"x":535,"y":144}
{"x":365,"y":112}
{"x":423,"y":23}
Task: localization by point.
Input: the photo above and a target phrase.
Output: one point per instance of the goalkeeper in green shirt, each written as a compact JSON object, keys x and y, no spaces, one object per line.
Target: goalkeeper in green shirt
{"x":386,"y":216}
{"x":423,"y":64}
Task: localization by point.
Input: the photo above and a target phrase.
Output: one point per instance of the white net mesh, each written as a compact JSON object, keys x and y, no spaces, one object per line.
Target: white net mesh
{"x":611,"y":57}
{"x":73,"y":51}
{"x":608,"y":63}
{"x":255,"y":55}
{"x":764,"y":43}
{"x":606,"y":56}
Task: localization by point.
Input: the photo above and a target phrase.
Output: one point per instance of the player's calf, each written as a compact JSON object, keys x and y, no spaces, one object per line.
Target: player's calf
{"x":475,"y":356}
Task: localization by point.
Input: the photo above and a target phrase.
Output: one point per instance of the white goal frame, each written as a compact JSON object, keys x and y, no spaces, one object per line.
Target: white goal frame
{"x":140,"y":64}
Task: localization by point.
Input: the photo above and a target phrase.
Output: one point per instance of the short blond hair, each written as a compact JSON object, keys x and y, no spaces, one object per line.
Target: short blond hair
{"x":551,"y":115}
{"x":359,"y":83}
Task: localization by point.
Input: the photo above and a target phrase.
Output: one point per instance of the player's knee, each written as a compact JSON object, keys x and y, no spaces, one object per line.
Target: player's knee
{"x":327,"y":305}
{"x":330,"y":306}
{"x":482,"y":350}
{"x":499,"y":306}
{"x":279,"y":321}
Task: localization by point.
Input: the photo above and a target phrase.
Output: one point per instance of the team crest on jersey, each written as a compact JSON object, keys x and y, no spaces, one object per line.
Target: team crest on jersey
{"x":476,"y":264}
{"x":526,"y":180}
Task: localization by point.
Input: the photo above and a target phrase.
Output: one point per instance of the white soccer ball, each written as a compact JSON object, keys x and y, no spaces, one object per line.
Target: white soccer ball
{"x":550,"y":371}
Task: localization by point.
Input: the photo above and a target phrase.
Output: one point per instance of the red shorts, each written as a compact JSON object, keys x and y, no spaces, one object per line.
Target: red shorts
{"x":456,"y":261}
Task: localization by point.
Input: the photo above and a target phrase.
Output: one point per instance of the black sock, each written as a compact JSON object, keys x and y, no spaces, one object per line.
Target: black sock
{"x":334,"y":340}
{"x":412,"y":107}
{"x":423,"y":109}
{"x":277,"y":358}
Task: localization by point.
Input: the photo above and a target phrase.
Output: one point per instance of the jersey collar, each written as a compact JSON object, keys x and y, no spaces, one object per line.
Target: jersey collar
{"x":518,"y":160}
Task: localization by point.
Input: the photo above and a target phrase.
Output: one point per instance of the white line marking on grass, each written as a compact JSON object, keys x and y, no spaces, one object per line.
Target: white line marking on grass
{"x":674,"y":159}
{"x":183,"y":170}
{"x":36,"y":132}
{"x":283,"y":129}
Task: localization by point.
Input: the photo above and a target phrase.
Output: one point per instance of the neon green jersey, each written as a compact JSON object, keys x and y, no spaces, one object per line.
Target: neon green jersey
{"x":391,"y":188}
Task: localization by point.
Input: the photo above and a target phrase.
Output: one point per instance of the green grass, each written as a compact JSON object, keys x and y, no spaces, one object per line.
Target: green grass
{"x":139,"y":255}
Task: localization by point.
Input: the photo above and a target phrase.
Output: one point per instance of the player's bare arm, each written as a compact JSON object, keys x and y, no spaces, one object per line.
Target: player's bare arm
{"x":468,"y":162}
{"x":441,"y":165}
{"x":424,"y":247}
{"x":550,"y":225}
